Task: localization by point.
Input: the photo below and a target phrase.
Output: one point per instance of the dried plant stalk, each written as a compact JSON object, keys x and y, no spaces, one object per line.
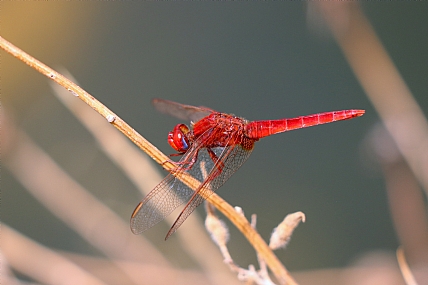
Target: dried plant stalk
{"x":384,"y":87}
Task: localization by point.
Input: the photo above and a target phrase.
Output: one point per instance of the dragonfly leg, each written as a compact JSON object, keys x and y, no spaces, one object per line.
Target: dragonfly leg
{"x":185,"y":164}
{"x":170,"y":161}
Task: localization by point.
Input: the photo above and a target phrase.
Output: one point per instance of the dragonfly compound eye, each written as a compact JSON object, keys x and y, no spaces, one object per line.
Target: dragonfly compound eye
{"x":178,"y":138}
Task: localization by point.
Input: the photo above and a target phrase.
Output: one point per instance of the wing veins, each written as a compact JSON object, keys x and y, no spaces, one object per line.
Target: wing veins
{"x":208,"y":186}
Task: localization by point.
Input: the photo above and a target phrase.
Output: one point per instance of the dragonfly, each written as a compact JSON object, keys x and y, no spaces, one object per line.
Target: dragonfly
{"x":213,"y":147}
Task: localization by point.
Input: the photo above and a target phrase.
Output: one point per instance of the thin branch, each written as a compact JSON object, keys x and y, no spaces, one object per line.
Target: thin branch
{"x":40,"y":262}
{"x":404,"y":268}
{"x":241,"y":223}
{"x":384,"y":87}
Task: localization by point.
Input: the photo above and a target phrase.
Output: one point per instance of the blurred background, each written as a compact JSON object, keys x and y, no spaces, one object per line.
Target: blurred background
{"x":263,"y":60}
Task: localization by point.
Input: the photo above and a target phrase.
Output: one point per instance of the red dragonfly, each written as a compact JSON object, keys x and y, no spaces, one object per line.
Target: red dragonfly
{"x":223,"y":142}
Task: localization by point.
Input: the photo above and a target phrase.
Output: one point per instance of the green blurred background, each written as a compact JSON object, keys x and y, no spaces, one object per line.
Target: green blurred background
{"x":256,"y":60}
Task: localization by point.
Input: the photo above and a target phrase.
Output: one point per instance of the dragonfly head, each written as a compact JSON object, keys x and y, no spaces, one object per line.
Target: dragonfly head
{"x":178,"y":138}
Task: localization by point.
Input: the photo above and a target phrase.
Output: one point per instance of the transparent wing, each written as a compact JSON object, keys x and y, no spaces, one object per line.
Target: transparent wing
{"x":171,"y":192}
{"x":165,"y":197}
{"x":181,"y":111}
{"x":229,"y":160}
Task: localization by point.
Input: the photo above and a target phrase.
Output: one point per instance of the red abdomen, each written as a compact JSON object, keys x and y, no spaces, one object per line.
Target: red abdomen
{"x":260,"y":129}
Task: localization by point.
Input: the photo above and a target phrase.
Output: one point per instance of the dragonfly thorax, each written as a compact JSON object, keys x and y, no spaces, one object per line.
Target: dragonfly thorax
{"x":219,"y":130}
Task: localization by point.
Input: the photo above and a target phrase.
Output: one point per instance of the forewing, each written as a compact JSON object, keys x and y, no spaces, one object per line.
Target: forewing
{"x":181,"y":111}
{"x":231,"y":157}
{"x":159,"y":203}
{"x":171,"y":192}
{"x":165,"y":197}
